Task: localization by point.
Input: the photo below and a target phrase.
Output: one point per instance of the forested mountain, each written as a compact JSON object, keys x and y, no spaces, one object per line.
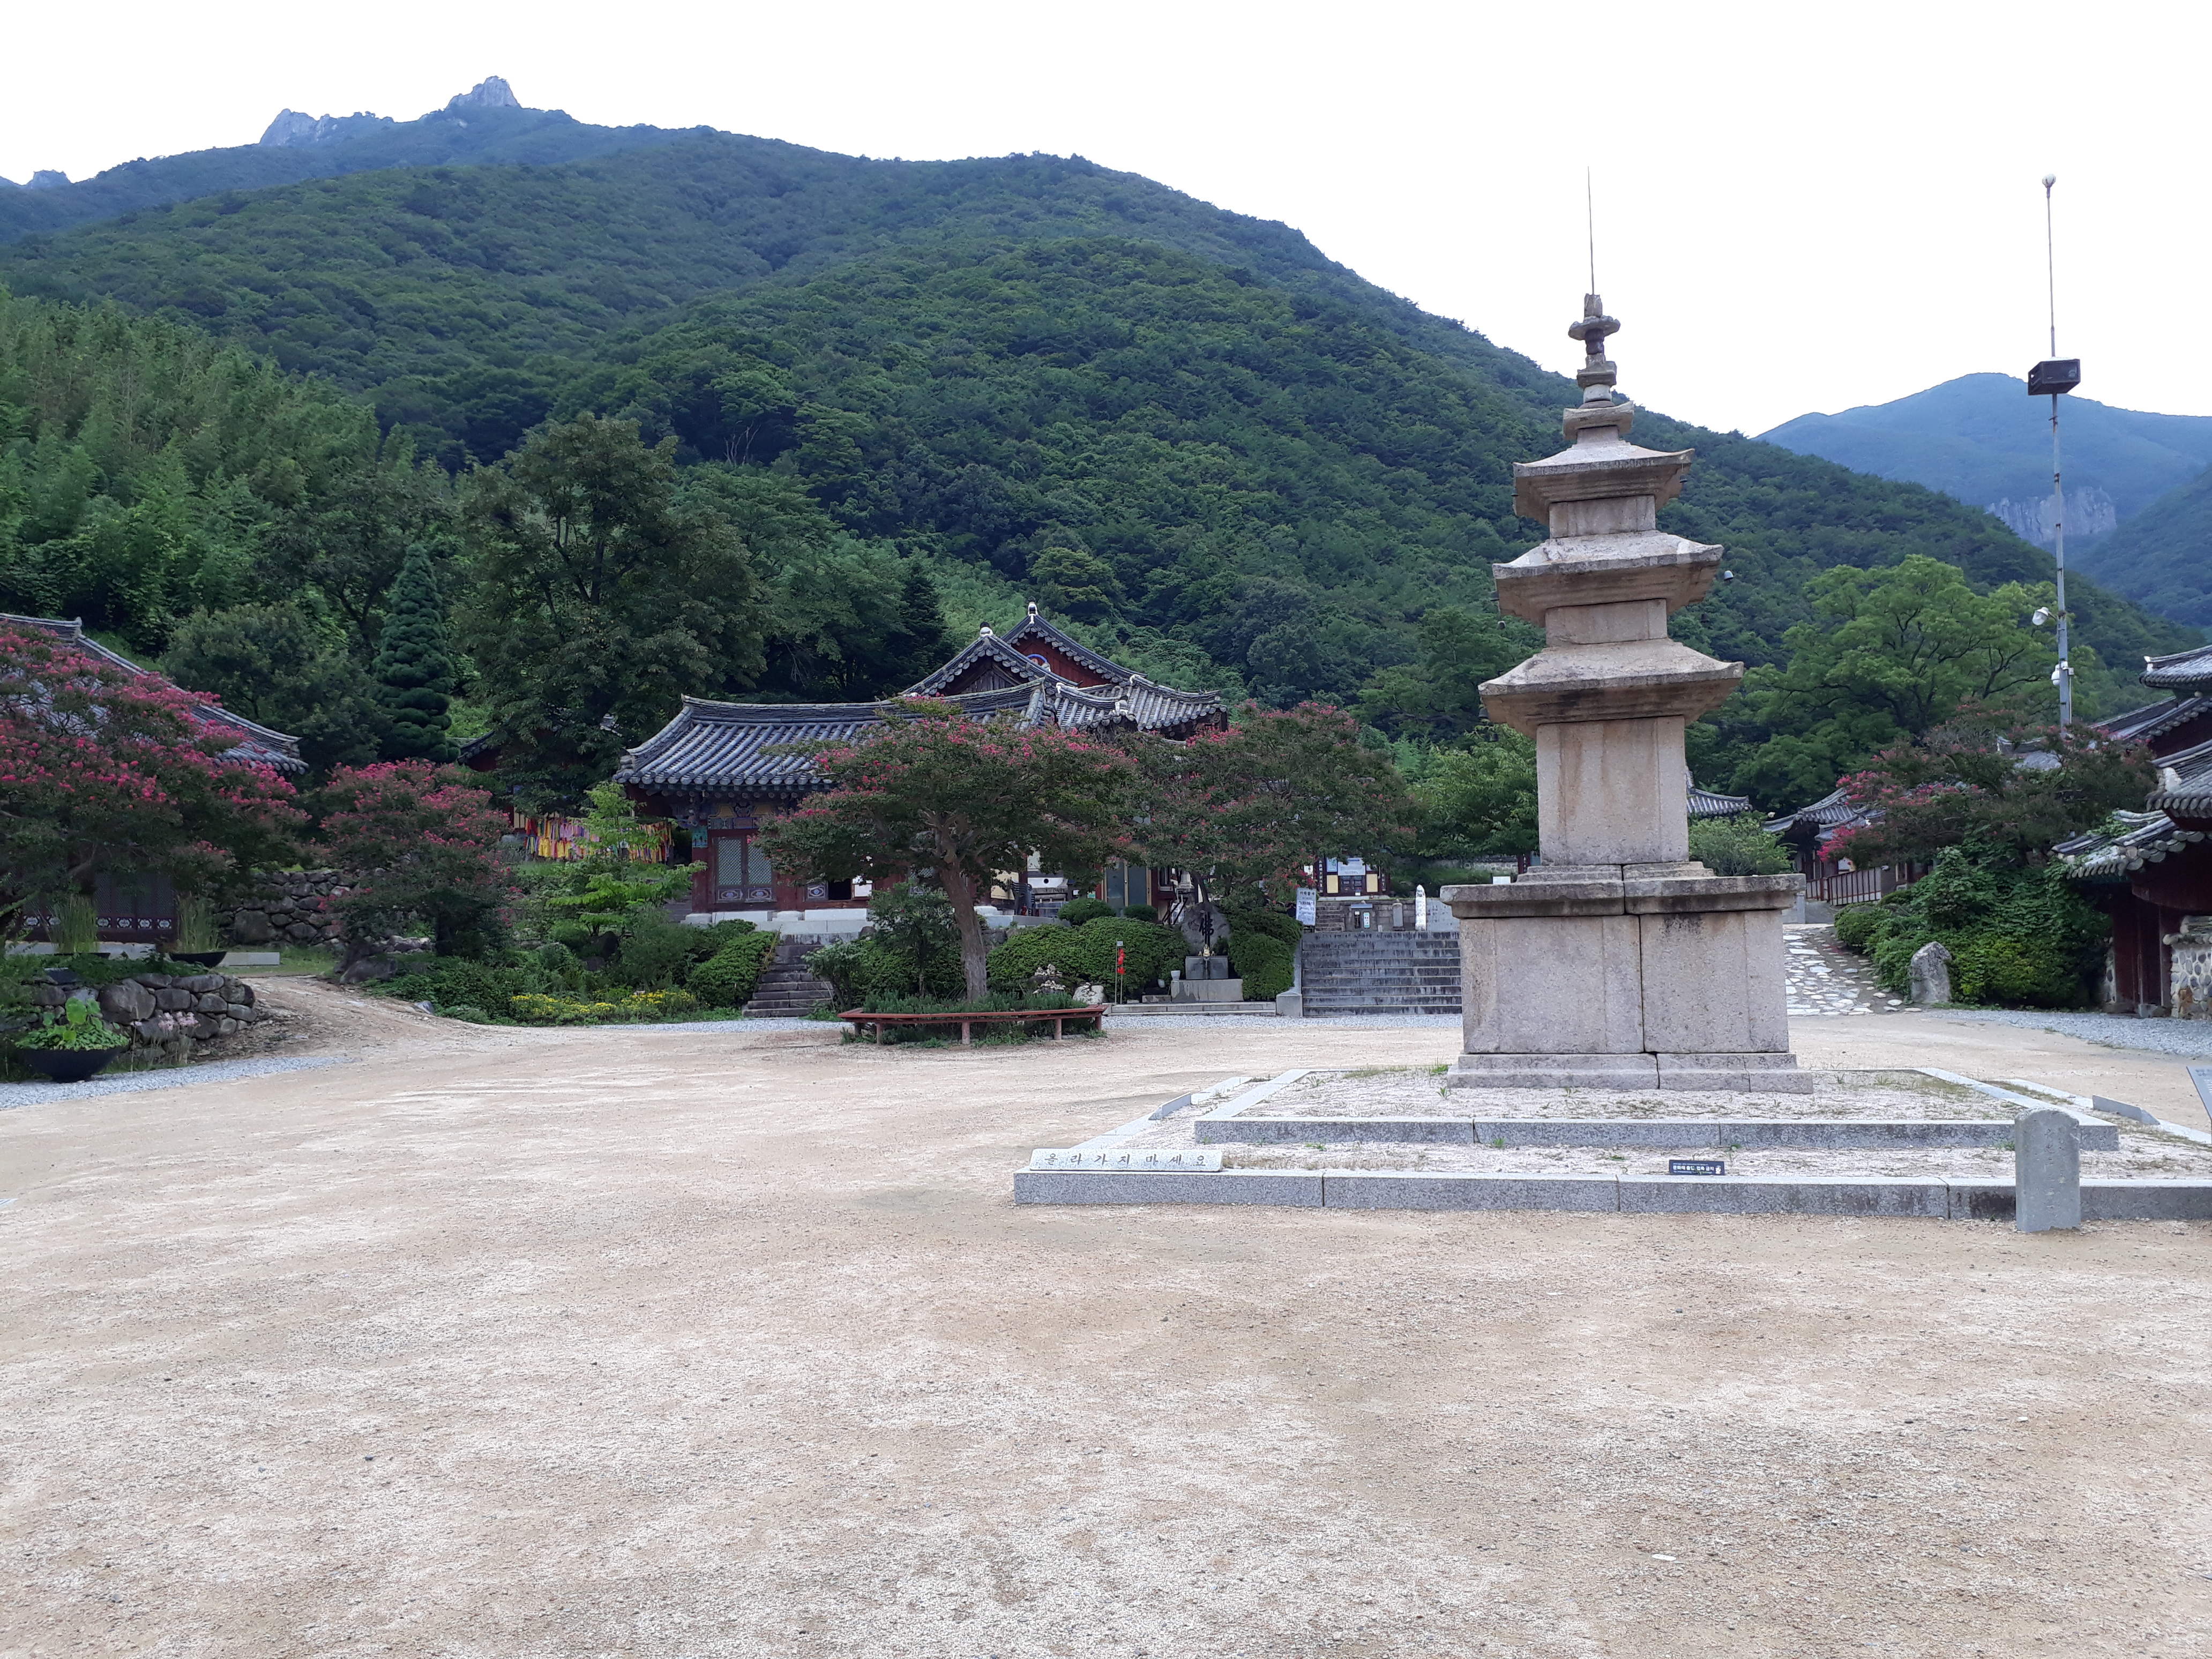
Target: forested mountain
{"x":2162,"y":557}
{"x":1983,"y":440}
{"x":1233,"y":460}
{"x":446,"y":137}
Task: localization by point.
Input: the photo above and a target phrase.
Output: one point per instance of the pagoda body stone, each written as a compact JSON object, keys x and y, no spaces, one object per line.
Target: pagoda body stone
{"x":1617,"y":961}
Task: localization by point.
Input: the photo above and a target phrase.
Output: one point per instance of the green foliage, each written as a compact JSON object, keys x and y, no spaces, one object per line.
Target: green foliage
{"x":144,"y":469}
{"x":728,"y":978}
{"x":2017,"y":936}
{"x":1272,"y":923}
{"x":1987,"y":779}
{"x":1263,"y":949}
{"x":2162,"y":557}
{"x":532,"y":1008}
{"x":1439,"y":698}
{"x":77,"y":1028}
{"x":605,"y":887}
{"x":1860,"y":927}
{"x":1892,"y":654}
{"x":1246,"y":807}
{"x":1084,"y":955}
{"x":414,"y":674}
{"x":275,"y":663}
{"x":1477,"y":800}
{"x":1737,"y":846}
{"x":447,"y":982}
{"x":963,"y":798}
{"x":1077,"y":911}
{"x":600,"y":601}
{"x":1139,"y":913}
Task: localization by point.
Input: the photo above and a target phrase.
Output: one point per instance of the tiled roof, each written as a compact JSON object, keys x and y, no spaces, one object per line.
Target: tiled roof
{"x":985,"y":647}
{"x":2142,"y":725}
{"x":1826,"y":813}
{"x":1711,"y":803}
{"x":255,"y":743}
{"x":1035,"y":627}
{"x":732,"y":744}
{"x":2184,"y":670}
{"x":2149,"y":837}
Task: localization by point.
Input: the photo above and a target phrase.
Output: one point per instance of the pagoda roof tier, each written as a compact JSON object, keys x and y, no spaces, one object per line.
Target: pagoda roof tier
{"x":256,"y":744}
{"x":1631,"y":680}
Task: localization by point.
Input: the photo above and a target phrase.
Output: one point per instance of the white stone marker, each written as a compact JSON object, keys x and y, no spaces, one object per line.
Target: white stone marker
{"x":2046,"y":1170}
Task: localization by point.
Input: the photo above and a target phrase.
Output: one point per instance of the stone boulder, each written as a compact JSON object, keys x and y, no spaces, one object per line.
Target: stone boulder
{"x":1930,"y":972}
{"x":251,"y":927}
{"x":126,"y":1003}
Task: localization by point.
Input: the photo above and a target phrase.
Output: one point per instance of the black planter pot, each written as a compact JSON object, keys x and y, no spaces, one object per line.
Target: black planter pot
{"x":67,"y":1065}
{"x":198,"y":958}
{"x":61,"y":975}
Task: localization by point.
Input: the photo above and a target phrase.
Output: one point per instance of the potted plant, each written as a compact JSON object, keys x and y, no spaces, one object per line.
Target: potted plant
{"x":195,"y":942}
{"x":71,"y":1048}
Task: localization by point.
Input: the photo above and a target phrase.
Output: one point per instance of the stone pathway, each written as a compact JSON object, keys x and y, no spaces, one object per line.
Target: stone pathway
{"x":1826,"y":979}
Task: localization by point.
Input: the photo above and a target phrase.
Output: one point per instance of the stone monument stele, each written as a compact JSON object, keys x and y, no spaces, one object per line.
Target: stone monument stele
{"x":1617,"y":962}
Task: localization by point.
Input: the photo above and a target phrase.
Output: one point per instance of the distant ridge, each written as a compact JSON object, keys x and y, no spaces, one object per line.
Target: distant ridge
{"x":1981,"y":439}
{"x":486,"y":125}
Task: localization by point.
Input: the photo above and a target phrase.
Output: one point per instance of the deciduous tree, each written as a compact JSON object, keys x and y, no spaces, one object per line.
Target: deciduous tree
{"x":424,"y":840}
{"x":964,"y":800}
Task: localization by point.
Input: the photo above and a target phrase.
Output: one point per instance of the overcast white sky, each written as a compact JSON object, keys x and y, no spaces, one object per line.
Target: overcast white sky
{"x":1799,"y":207}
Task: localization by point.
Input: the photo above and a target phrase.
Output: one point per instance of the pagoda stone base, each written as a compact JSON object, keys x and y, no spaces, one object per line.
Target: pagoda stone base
{"x":1626,"y":975}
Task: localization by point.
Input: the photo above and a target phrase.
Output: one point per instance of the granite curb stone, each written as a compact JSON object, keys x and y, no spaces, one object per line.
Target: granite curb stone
{"x":1867,"y":1195}
{"x":1294,"y":1190}
{"x":1440,"y":1189}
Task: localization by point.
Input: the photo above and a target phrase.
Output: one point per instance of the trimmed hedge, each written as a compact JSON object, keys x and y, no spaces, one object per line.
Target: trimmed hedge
{"x":1076,"y":912}
{"x":728,"y":978}
{"x":1084,"y":955}
{"x":1263,"y":948}
{"x":866,"y":967}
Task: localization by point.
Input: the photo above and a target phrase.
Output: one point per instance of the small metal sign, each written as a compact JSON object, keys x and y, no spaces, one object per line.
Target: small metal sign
{"x":1124,"y":1160}
{"x":1697,"y":1166}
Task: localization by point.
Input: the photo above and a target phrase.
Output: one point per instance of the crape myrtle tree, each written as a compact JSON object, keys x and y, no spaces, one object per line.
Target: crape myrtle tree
{"x":933,"y":790}
{"x":106,"y":771}
{"x":425,"y":840}
{"x":1987,"y":778}
{"x":599,"y":600}
{"x":1245,"y":809}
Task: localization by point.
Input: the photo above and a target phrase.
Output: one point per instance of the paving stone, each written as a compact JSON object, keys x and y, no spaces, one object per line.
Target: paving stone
{"x":1297,"y":1131}
{"x":1437,"y":1190}
{"x":1300,"y":1190}
{"x":1824,"y":978}
{"x":1867,"y":1195}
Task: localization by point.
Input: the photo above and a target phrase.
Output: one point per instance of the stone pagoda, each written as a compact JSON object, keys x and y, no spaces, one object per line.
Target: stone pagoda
{"x":1617,"y":962}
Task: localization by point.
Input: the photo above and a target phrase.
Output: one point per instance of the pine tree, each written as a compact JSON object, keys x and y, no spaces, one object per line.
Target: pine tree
{"x":414,"y":674}
{"x":922,"y":642}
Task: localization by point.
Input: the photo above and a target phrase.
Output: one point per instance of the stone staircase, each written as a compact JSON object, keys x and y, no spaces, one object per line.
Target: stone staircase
{"x":1379,"y":973}
{"x":786,"y":990}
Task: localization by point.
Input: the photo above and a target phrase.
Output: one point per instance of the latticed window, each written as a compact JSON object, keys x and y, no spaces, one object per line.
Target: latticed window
{"x":742,"y":874}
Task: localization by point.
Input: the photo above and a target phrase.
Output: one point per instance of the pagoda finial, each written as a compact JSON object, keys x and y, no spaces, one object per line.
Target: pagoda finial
{"x":984,"y":632}
{"x":1600,"y":411}
{"x":1032,"y":609}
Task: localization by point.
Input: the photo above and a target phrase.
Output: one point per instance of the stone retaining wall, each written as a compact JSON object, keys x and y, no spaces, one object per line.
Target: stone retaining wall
{"x":287,"y":908}
{"x":164,"y":1012}
{"x":2193,"y":969}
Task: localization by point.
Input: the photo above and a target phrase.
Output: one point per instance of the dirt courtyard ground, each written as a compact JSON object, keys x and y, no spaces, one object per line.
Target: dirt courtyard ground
{"x":691,"y":1342}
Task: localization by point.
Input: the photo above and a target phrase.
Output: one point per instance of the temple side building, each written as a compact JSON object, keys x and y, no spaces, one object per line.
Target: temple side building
{"x":720,"y":768}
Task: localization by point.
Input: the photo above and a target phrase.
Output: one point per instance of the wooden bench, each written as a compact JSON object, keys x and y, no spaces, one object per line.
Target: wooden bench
{"x":968,"y":1022}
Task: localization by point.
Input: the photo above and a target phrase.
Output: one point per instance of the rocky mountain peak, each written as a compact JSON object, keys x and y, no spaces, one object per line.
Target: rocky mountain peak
{"x":491,"y":93}
{"x":294,"y":129}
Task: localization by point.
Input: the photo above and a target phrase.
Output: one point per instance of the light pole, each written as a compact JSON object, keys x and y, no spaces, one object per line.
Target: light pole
{"x":2053,"y":376}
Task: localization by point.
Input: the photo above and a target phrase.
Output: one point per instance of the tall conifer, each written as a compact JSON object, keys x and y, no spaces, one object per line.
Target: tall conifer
{"x":414,"y":673}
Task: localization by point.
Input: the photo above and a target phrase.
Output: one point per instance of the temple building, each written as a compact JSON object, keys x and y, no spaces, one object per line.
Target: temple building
{"x":719,"y":768}
{"x":2154,"y":877}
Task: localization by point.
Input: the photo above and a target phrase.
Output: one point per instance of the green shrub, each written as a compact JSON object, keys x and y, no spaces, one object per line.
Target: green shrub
{"x":1860,"y":927}
{"x":1273,"y":923}
{"x":1141,"y":912}
{"x":728,"y":978}
{"x":1263,"y":961}
{"x":469,"y":1013}
{"x":869,"y":966}
{"x":457,"y":982}
{"x":1084,"y":955}
{"x":2017,"y":936}
{"x":1076,"y":912}
{"x":1737,"y":846}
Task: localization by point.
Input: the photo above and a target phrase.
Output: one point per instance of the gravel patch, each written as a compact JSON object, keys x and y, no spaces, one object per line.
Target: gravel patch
{"x":2192,"y":1037}
{"x":167,"y":1076}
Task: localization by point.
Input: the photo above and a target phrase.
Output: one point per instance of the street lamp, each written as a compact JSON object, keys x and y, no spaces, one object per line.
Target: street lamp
{"x":2051,"y":377}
